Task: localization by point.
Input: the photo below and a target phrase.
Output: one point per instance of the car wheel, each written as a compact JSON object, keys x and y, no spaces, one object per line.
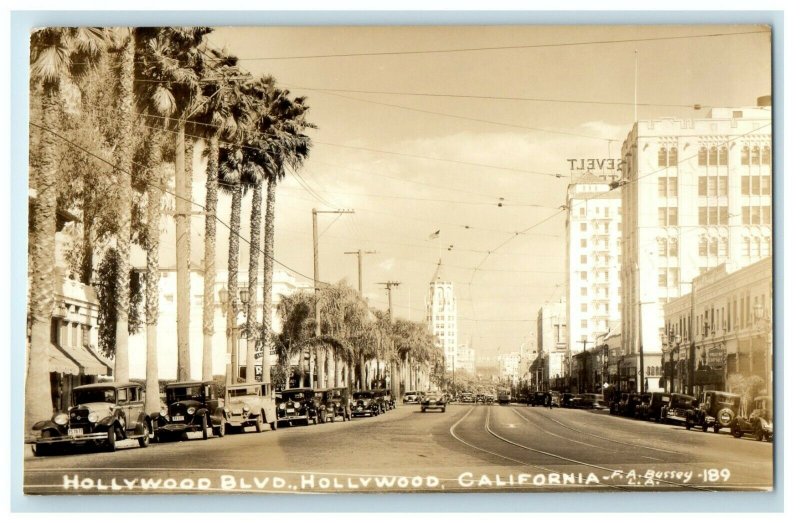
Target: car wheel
{"x":144,"y":440}
{"x":222,"y":428}
{"x":258,"y":425}
{"x":735,"y":431}
{"x":423,"y":409}
{"x":758,"y":433}
{"x":688,"y":426}
{"x":111,"y":440}
{"x":705,"y":427}
{"x":716,"y":429}
{"x":204,"y":427}
{"x":443,"y":409}
{"x":273,"y":425}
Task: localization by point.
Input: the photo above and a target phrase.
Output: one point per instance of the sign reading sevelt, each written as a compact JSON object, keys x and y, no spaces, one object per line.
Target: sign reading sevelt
{"x":384,"y":209}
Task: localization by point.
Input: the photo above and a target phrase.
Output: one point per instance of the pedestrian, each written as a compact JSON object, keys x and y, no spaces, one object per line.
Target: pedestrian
{"x":550,"y":401}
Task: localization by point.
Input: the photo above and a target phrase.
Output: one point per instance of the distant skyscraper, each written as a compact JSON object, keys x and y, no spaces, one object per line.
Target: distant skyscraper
{"x":443,"y":317}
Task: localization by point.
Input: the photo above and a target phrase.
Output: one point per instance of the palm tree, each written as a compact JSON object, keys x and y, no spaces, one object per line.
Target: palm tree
{"x":290,"y":148}
{"x":57,"y":54}
{"x":223,"y":115}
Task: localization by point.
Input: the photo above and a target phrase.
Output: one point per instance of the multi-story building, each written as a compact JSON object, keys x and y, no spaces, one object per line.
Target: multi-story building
{"x":511,"y":367}
{"x":695,"y":194}
{"x":443,"y":317}
{"x":721,"y":329}
{"x":551,"y":343}
{"x":594,"y":228}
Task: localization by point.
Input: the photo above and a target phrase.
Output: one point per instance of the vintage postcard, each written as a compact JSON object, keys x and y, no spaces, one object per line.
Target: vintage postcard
{"x":373,"y":259}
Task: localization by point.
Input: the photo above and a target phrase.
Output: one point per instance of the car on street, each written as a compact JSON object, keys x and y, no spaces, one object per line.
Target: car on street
{"x":192,"y":406}
{"x":336,"y":404}
{"x":758,"y":422}
{"x":678,"y":406}
{"x":411,"y":396}
{"x":618,"y":399}
{"x":628,"y":406}
{"x":716,"y":409}
{"x":298,"y":405}
{"x":566,"y":400}
{"x":504,"y":397}
{"x":652,"y":405}
{"x":250,"y":405}
{"x":433,"y":400}
{"x":385,"y":399}
{"x":467,"y":397}
{"x":100,"y":414}
{"x":555,"y":398}
{"x":367,"y":403}
{"x":539,"y":398}
{"x":589,"y":400}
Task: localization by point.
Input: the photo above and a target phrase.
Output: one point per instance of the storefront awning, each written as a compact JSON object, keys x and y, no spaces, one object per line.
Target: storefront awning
{"x":76,"y":361}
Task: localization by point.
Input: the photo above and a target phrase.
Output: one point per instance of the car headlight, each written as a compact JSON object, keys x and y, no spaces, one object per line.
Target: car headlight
{"x":296,"y":405}
{"x":246,"y":408}
{"x":282,"y":406}
{"x":93,"y":417}
{"x":61,"y":419}
{"x":163,"y":412}
{"x":190,"y":411}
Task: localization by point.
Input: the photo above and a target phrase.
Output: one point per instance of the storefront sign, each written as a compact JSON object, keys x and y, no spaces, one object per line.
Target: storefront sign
{"x":590,"y":164}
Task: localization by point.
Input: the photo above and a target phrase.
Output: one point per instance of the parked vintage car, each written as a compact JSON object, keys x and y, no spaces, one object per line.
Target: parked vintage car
{"x":385,"y":398}
{"x":589,"y":400}
{"x":191,"y":406}
{"x":651,"y":405}
{"x":250,"y":405}
{"x":758,"y":422}
{"x":628,"y":407}
{"x":336,"y":404}
{"x":298,"y":405}
{"x":411,"y":396}
{"x":614,"y":401}
{"x":539,"y":398}
{"x":716,"y":409}
{"x":433,"y":400}
{"x":678,"y":406}
{"x":100,"y":414}
{"x":566,"y":400}
{"x":467,"y":397}
{"x":367,"y":402}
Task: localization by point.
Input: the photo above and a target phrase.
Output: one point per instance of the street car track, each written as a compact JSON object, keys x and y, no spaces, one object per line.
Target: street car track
{"x":489,"y":431}
{"x":578,"y":462}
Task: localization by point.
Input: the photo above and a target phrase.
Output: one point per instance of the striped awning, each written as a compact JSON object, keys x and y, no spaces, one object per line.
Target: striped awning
{"x":76,"y":361}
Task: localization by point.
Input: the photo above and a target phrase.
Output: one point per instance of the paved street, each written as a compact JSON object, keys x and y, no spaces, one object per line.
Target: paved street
{"x":467,"y":448}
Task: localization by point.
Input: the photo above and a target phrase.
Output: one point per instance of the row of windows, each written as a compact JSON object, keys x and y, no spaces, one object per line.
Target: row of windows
{"x":718,"y":156}
{"x":712,"y":186}
{"x":667,"y":247}
{"x":713,"y":246}
{"x":756,"y":185}
{"x":756,"y":247}
{"x":713,"y":215}
{"x":756,"y":215}
{"x":667,"y":216}
{"x":669,"y":276}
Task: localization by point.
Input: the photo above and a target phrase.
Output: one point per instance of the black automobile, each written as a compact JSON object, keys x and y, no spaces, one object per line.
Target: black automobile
{"x":367,"y":403}
{"x":539,"y":398}
{"x":434,"y":400}
{"x":651,"y":406}
{"x":616,"y":399}
{"x":678,"y":406}
{"x":100,"y":414}
{"x":758,"y":423}
{"x":716,"y":409}
{"x":191,"y":406}
{"x":629,"y":406}
{"x":336,"y":404}
{"x":566,"y":400}
{"x":385,"y":399}
{"x":299,"y":405}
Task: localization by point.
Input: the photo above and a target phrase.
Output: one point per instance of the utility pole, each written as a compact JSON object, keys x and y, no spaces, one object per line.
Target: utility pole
{"x":360,"y":255}
{"x":395,"y":372}
{"x":317,"y":323}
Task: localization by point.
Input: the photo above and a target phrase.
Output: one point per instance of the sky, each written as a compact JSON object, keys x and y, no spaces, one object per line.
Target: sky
{"x":473,"y":142}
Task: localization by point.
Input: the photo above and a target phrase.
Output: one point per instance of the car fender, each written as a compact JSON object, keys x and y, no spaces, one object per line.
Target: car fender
{"x":46,"y":424}
{"x":108,"y":421}
{"x":142,"y":422}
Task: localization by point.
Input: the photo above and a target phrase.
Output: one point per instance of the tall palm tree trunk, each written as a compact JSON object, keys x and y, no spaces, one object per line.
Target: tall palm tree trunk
{"x":233,"y":273}
{"x":38,"y":401}
{"x":124,"y":159}
{"x":252,"y":281}
{"x":182,"y":252}
{"x":152,"y":276}
{"x":269,"y":254}
{"x":209,"y":255}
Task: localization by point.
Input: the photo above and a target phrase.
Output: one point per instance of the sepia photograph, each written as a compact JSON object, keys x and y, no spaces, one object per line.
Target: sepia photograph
{"x":321,"y":259}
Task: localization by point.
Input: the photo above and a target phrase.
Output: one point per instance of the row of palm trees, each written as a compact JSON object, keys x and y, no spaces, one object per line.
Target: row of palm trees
{"x":115,"y":117}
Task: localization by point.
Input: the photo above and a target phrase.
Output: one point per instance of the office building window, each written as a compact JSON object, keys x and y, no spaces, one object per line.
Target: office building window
{"x":667,"y":216}
{"x":583,"y":291}
{"x":703,"y":246}
{"x":672,"y":186}
{"x":712,"y":186}
{"x":583,"y":258}
{"x":722,"y":187}
{"x":662,"y":246}
{"x":673,"y":156}
{"x":702,"y":156}
{"x":724,"y":215}
{"x":583,"y":227}
{"x":662,"y":277}
{"x":662,"y":157}
{"x":713,"y":156}
{"x":584,"y":324}
{"x":583,"y":243}
{"x":745,"y":186}
{"x":745,"y":155}
{"x":755,"y":156}
{"x":713,"y":247}
{"x":662,"y":186}
{"x":673,"y":276}
{"x":766,"y":185}
{"x":702,"y":215}
{"x":673,"y":246}
{"x":723,"y":155}
{"x":702,"y":186}
{"x":766,"y":156}
{"x":766,"y":215}
{"x":746,"y":246}
{"x":583,"y":275}
{"x":584,"y":308}
{"x":723,"y":246}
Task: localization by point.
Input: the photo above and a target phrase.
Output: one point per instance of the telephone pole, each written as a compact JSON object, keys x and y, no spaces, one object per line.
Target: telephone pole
{"x":395,"y":371}
{"x":360,"y":255}
{"x":317,"y":323}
